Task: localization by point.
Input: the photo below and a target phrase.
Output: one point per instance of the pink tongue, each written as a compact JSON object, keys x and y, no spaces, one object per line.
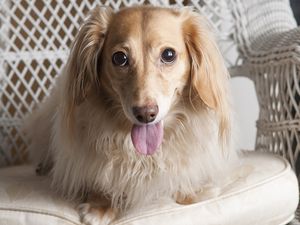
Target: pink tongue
{"x":147,"y":138}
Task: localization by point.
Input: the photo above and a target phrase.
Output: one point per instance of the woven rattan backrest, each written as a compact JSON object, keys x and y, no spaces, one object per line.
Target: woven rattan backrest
{"x":259,"y":20}
{"x":35,"y":37}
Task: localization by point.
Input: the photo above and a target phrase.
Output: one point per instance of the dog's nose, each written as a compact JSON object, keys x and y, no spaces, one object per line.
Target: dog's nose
{"x":145,"y":114}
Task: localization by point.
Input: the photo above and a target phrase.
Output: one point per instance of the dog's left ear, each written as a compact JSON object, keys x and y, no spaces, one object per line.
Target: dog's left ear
{"x":209,"y":76}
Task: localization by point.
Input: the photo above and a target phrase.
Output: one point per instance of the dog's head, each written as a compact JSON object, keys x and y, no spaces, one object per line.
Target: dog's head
{"x":145,"y":58}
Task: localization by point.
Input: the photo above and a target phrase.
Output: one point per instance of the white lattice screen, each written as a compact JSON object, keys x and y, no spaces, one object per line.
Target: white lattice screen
{"x":35,"y":37}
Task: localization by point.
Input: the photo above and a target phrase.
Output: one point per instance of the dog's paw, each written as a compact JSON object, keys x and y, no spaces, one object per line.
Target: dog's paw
{"x":185,"y":200}
{"x":90,"y":215}
{"x":203,"y":194}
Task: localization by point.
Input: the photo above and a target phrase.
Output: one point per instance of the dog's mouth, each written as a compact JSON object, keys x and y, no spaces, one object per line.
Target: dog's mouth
{"x":147,"y":138}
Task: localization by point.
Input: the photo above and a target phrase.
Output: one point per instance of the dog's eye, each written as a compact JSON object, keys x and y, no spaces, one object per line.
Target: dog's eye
{"x":120,"y":59}
{"x":168,"y":56}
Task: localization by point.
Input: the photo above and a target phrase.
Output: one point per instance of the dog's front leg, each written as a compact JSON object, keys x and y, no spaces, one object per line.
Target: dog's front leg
{"x":97,"y":210}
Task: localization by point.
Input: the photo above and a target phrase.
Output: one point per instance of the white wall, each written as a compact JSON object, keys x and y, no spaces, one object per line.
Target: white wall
{"x":246,"y":111}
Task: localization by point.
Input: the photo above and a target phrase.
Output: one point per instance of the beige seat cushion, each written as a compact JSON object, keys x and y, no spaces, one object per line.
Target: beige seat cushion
{"x":267,"y":195}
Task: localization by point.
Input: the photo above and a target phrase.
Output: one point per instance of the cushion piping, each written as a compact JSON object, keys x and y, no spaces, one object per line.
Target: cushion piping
{"x":33,"y":211}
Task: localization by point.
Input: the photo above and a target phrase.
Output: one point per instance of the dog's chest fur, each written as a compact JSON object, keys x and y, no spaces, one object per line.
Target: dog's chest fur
{"x":104,"y":160}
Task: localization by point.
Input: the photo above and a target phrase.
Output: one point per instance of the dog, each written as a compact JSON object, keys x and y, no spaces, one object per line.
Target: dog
{"x":141,"y":111}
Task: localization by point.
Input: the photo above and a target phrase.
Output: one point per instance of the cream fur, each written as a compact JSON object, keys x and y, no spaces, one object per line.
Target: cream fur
{"x":86,"y":133}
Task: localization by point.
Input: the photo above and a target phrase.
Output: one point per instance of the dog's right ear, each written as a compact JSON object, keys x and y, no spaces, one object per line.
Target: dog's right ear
{"x":82,"y":64}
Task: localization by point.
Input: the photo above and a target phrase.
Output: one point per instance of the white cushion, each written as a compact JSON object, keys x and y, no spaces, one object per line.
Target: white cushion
{"x":267,"y":195}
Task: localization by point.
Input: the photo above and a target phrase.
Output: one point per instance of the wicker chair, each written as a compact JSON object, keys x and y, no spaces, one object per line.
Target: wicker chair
{"x":259,"y":40}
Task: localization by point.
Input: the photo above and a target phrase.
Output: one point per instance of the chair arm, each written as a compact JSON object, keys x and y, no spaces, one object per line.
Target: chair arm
{"x":274,"y":68}
{"x":277,"y":48}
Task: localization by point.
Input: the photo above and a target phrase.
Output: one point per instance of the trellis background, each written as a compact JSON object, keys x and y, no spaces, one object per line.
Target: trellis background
{"x":35,"y":37}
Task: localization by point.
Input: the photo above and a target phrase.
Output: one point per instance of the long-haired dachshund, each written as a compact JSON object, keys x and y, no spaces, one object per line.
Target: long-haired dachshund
{"x":140,"y":112}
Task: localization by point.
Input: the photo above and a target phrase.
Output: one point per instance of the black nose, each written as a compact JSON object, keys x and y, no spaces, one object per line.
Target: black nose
{"x":145,"y":114}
